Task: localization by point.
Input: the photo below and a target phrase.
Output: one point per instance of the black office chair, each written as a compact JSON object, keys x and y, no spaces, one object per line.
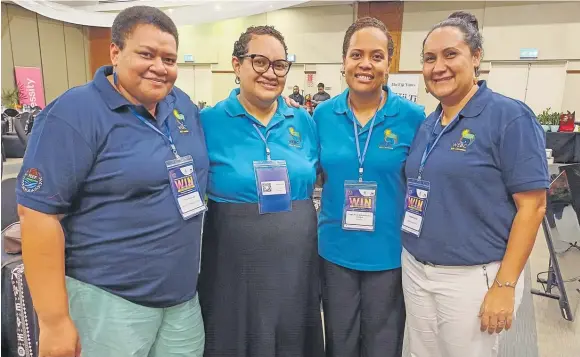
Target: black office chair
{"x":20,"y":128}
{"x":9,"y":207}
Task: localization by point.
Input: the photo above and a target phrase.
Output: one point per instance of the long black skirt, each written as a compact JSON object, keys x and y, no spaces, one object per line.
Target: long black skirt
{"x":259,"y":285}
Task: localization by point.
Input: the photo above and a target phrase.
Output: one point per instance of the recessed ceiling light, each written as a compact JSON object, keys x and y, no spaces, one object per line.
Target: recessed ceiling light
{"x":170,"y":10}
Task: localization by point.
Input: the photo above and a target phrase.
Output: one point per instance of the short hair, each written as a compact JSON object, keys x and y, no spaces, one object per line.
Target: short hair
{"x":366,"y":22}
{"x":320,"y":85}
{"x":468,"y":25}
{"x":241,"y":45}
{"x":127,"y":20}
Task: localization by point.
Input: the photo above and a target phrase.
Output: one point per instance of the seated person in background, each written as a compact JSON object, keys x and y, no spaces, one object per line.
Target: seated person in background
{"x":296,"y":96}
{"x":308,"y":103}
{"x":321,"y":96}
{"x":110,"y":250}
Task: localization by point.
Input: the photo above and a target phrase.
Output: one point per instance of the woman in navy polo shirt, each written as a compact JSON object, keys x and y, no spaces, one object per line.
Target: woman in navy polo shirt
{"x":259,"y":280}
{"x":365,"y":135}
{"x":111,"y":195}
{"x":477,"y":178}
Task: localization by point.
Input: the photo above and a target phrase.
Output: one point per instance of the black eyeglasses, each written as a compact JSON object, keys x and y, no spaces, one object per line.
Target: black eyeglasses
{"x":261,"y":64}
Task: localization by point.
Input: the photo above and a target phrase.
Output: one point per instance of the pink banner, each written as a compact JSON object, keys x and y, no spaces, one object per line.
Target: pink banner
{"x":29,"y":81}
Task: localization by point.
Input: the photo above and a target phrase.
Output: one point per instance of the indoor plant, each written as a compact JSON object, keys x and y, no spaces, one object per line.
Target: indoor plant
{"x":544,"y":119}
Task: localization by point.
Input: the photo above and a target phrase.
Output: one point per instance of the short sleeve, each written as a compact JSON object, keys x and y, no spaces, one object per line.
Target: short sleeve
{"x":523,"y":155}
{"x":56,"y":163}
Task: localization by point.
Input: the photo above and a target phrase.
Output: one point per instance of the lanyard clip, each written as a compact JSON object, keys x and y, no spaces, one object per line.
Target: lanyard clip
{"x":268,"y":154}
{"x":174,"y":150}
{"x":360,"y":174}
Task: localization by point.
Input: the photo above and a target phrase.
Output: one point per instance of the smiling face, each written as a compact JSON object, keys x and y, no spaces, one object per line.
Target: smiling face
{"x":265,"y":87}
{"x":366,"y":63}
{"x":146,"y":66}
{"x":449,"y":64}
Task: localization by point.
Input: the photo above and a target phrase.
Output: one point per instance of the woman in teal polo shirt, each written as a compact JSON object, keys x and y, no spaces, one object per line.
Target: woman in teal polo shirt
{"x":365,"y":135}
{"x":477,"y":178}
{"x":259,"y":280}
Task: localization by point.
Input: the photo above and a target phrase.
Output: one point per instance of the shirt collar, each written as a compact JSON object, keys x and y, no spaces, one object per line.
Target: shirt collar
{"x":234,"y":108}
{"x":475,"y":105}
{"x":115,"y":100}
{"x":390,"y":109}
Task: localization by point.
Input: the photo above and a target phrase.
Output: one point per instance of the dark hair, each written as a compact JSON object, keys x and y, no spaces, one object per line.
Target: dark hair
{"x":241,"y":45}
{"x":466,"y":23}
{"x":126,"y":21}
{"x":320,"y":85}
{"x":365,"y":22}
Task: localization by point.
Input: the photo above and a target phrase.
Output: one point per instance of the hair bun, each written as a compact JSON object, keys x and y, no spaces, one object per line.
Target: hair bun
{"x":465,"y":16}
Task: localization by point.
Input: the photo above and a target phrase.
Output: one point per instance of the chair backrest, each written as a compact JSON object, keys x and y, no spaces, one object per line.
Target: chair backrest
{"x":20,"y":129}
{"x":9,"y":207}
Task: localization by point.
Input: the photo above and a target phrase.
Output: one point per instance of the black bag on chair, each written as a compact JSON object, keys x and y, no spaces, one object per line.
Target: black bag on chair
{"x":19,"y":320}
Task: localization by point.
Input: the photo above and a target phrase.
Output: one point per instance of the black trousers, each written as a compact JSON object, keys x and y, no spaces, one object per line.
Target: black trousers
{"x":364,"y":312}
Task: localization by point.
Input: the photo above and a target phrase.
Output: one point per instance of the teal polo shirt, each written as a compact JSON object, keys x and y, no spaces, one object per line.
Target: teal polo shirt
{"x":234,"y":144}
{"x":394,"y":130}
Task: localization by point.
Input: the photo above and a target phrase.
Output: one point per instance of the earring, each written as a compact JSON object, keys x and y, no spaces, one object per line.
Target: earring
{"x":237,"y":80}
{"x":426,"y":90}
{"x":342,"y":72}
{"x":115,"y":78}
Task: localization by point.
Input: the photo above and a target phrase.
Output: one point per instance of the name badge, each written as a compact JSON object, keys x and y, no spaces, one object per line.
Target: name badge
{"x":415,"y":206}
{"x":358,"y":212}
{"x":184,"y":187}
{"x":273,"y":186}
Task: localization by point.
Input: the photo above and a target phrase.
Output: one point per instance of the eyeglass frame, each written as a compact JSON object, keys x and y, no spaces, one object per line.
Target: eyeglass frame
{"x":270,"y":65}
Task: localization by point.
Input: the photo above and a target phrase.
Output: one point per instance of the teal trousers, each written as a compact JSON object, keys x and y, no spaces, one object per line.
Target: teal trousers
{"x":110,"y":326}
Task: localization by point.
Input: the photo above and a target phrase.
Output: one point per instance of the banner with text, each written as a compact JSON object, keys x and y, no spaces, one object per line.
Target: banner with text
{"x":405,"y":85}
{"x":29,"y":81}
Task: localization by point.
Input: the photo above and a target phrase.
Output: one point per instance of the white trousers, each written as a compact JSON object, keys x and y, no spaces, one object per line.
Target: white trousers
{"x":443,"y":304}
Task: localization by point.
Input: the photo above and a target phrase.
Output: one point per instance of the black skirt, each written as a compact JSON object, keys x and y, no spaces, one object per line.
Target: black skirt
{"x":259,"y":283}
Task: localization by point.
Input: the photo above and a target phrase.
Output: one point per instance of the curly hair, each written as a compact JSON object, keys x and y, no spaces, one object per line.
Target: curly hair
{"x":366,"y":22}
{"x":241,"y":45}
{"x":126,"y":21}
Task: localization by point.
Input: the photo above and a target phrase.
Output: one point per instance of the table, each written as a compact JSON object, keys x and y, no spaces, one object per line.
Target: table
{"x":565,"y":147}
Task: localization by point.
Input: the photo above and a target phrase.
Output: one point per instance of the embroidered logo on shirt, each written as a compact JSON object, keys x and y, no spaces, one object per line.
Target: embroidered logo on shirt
{"x":31,"y":180}
{"x":391,"y":139}
{"x":180,"y":122}
{"x":467,"y":138}
{"x":295,"y":138}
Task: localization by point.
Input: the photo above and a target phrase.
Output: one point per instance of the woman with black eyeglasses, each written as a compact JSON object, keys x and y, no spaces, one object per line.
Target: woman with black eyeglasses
{"x":259,"y":280}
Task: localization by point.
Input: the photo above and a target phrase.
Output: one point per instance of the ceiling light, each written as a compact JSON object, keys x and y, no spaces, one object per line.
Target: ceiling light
{"x":218,"y":7}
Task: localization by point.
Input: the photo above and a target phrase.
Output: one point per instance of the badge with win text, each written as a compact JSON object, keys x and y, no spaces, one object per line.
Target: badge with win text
{"x":184,"y":187}
{"x":415,"y":205}
{"x":360,"y":202}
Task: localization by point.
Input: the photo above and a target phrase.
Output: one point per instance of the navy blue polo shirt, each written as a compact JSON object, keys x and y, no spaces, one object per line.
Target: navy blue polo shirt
{"x":234,"y":144}
{"x":91,"y":159}
{"x":495,"y":149}
{"x":394,"y":129}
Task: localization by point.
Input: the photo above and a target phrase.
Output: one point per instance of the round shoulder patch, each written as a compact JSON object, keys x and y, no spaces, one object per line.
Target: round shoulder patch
{"x":31,"y":180}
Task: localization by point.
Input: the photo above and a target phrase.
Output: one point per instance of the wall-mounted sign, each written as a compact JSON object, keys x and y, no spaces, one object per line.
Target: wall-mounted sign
{"x":291,"y":58}
{"x":188,"y":58}
{"x":528,"y":53}
{"x":405,"y":85}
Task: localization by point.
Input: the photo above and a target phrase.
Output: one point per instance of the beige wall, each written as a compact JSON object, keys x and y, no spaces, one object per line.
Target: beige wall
{"x":31,"y":40}
{"x":313,"y":34}
{"x":551,"y":27}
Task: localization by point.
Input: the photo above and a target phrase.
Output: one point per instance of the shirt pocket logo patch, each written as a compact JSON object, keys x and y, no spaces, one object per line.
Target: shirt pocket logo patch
{"x":467,"y":138}
{"x":390,"y":140}
{"x":295,"y":138}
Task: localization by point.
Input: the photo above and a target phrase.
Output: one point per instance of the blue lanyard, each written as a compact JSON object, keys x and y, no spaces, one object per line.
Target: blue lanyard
{"x":361,"y":158}
{"x":167,"y":134}
{"x":430,"y":146}
{"x":265,"y":140}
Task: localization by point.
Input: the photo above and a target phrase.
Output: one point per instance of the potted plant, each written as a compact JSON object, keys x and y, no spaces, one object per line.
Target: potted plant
{"x":10,"y":98}
{"x":554,"y":122}
{"x":544,"y":119}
